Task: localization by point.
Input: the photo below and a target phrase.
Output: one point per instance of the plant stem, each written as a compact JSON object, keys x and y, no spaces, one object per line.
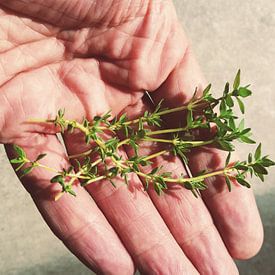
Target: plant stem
{"x":94,"y":180}
{"x":156,"y":155}
{"x":125,"y":141}
{"x":47,"y":167}
{"x":166,"y":131}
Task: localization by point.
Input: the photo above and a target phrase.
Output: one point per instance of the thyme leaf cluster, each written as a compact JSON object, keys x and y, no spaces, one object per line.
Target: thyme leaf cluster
{"x":104,"y":160}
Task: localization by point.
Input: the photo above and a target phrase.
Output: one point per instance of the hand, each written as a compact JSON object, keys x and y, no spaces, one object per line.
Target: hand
{"x":89,"y":57}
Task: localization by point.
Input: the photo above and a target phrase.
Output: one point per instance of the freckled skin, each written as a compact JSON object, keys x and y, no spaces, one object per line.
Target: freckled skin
{"x":90,"y":57}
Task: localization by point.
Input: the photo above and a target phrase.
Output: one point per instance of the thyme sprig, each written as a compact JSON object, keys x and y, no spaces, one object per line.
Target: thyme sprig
{"x":201,"y":112}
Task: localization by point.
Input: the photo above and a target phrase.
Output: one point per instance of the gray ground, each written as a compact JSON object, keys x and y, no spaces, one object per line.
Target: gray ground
{"x":226,"y":35}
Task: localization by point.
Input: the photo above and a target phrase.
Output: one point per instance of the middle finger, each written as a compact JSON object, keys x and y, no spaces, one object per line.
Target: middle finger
{"x":135,"y":219}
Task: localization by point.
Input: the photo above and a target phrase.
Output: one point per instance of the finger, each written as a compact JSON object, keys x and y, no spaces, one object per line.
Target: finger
{"x":244,"y":225}
{"x":186,"y":216}
{"x":135,"y":219}
{"x":77,"y":221}
{"x":235,"y":214}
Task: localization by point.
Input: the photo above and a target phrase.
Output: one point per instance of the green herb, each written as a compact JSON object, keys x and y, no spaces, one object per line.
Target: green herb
{"x":201,"y":112}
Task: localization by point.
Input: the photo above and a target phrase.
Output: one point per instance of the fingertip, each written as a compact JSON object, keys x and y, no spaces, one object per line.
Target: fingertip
{"x":247,"y":246}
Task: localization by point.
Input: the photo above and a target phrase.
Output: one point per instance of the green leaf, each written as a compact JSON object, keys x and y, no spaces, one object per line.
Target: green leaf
{"x":134,"y":146}
{"x":241,"y":125}
{"x":241,"y":167}
{"x":26,"y":171}
{"x":223,"y":106}
{"x":206,"y":90}
{"x":222,"y":125}
{"x":237,"y":80}
{"x":72,"y":192}
{"x":249,"y":158}
{"x":20,"y":152}
{"x":140,"y":124}
{"x":229,"y":101}
{"x":267,"y":162}
{"x":157,"y":188}
{"x":41,"y":156}
{"x":57,"y":179}
{"x":225,"y":145}
{"x":228,"y":183}
{"x":244,"y":92}
{"x":241,"y":105}
{"x":243,"y":182}
{"x":188,"y":185}
{"x":154,"y":171}
{"x":260,"y":176}
{"x":260,"y":169}
{"x":146,"y":184}
{"x":258,"y":152}
{"x":126,"y":132}
{"x":227,"y":159}
{"x":18,"y":160}
{"x":112,"y":182}
{"x":247,"y":140}
{"x":226,"y":89}
{"x":231,"y":123}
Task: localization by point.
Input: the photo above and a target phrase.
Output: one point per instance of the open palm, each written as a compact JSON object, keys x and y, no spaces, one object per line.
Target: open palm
{"x":90,"y":57}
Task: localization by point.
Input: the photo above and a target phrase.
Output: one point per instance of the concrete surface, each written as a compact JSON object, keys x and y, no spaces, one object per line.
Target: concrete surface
{"x":226,"y":35}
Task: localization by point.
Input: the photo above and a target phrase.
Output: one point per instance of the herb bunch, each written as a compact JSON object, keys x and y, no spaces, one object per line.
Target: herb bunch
{"x":104,"y":160}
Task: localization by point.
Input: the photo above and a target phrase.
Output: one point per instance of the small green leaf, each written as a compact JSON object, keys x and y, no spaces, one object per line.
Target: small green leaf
{"x":112,"y":182}
{"x":244,"y":92}
{"x":247,"y":140}
{"x":243,"y":182}
{"x":258,"y":152}
{"x":229,"y":101}
{"x":26,"y":171}
{"x":227,"y":159}
{"x":228,"y":183}
{"x":260,"y":169}
{"x":237,"y":80}
{"x":154,"y":171}
{"x":232,"y":124}
{"x":140,"y":124}
{"x":226,"y":89}
{"x":57,"y":179}
{"x":18,"y":160}
{"x":225,"y":145}
{"x":188,"y":185}
{"x":267,"y":162}
{"x":249,"y":158}
{"x":223,"y":106}
{"x":241,"y":125}
{"x":260,"y":176}
{"x":41,"y":156}
{"x":20,"y":152}
{"x":72,"y":192}
{"x":61,"y":113}
{"x":206,"y":90}
{"x":241,"y":105}
{"x":157,"y":188}
{"x":146,"y":186}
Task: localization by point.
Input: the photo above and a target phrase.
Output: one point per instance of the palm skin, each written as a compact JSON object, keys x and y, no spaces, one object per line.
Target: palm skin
{"x":90,"y":57}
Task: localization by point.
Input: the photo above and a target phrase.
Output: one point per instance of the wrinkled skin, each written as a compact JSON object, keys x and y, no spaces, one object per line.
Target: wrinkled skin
{"x":89,"y":57}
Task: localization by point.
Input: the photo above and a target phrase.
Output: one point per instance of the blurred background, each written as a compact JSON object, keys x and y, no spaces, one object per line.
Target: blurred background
{"x":226,"y":35}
